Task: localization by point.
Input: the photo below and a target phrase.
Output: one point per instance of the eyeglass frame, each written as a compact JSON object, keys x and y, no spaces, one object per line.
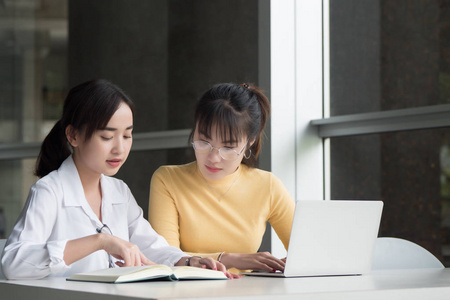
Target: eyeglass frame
{"x":211,"y":148}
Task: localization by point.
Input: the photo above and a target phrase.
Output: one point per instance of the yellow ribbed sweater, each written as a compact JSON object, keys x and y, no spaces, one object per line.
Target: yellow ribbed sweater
{"x":191,"y":215}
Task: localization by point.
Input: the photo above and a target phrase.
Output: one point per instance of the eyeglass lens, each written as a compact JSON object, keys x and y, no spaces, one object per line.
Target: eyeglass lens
{"x":224,"y":152}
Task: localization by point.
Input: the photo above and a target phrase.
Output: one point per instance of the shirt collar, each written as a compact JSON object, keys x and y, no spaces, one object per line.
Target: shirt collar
{"x":110,"y":191}
{"x":73,"y":189}
{"x":71,"y":183}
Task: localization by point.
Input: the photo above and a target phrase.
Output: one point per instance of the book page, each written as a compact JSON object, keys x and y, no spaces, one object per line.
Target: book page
{"x":197,"y":273}
{"x":140,"y":273}
{"x":124,"y":274}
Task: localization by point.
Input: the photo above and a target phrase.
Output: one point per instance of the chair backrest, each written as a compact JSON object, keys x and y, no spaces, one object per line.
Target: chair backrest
{"x":2,"y":245}
{"x":395,"y":253}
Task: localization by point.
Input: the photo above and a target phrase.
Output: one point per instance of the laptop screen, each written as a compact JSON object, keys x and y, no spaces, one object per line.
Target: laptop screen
{"x":333,"y":237}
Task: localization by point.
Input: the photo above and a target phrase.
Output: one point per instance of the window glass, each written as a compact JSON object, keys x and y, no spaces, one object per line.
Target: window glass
{"x":16,"y":180}
{"x":33,"y":83}
{"x":163,"y":54}
{"x":33,"y":73}
{"x":409,"y":172}
{"x":387,"y":55}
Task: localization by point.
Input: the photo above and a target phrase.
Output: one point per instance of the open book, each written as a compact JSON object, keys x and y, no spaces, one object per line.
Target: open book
{"x":151,"y":272}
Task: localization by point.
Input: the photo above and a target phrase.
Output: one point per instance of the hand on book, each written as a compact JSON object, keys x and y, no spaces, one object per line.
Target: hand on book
{"x":127,"y":252}
{"x":207,"y":263}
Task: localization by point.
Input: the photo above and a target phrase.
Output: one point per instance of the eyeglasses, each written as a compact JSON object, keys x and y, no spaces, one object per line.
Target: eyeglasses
{"x":226,"y":153}
{"x":106,"y":229}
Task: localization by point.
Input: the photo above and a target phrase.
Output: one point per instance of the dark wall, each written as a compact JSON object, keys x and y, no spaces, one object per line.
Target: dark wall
{"x":164,"y":54}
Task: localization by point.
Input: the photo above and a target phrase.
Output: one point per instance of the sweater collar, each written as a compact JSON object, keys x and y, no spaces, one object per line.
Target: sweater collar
{"x":225,"y":181}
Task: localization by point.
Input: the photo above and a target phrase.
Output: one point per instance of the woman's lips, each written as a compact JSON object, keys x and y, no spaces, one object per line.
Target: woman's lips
{"x":212,"y":169}
{"x":114,"y":162}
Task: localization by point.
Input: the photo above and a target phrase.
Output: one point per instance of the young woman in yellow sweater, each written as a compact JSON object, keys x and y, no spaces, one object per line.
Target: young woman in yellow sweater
{"x":218,"y":205}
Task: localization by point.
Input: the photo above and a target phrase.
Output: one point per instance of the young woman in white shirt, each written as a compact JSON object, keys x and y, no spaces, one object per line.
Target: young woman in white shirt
{"x":77,"y":218}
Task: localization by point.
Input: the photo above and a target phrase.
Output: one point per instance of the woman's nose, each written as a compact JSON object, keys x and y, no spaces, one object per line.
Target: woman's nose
{"x":118,"y":146}
{"x":214,"y":154}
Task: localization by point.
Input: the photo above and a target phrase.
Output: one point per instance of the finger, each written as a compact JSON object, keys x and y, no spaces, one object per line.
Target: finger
{"x":277,"y":264}
{"x":232,"y":275}
{"x":264,"y":267}
{"x":137,"y":259}
{"x":272,"y":262}
{"x":272,"y":266}
{"x":221,"y":267}
{"x":208,"y":262}
{"x":128,"y":260}
{"x":270,"y":257}
{"x":267,"y":265}
{"x":146,"y":261}
{"x":119,"y":263}
{"x":117,"y":256}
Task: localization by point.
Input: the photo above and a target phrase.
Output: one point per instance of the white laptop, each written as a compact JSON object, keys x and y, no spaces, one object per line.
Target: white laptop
{"x":331,"y":237}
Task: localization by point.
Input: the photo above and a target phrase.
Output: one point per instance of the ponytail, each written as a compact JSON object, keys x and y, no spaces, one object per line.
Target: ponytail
{"x":264,"y":106}
{"x":54,"y":151}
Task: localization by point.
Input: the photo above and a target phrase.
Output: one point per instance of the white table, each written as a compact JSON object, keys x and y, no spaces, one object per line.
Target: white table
{"x":399,"y":284}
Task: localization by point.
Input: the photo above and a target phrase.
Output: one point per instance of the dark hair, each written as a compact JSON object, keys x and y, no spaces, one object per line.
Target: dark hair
{"x":236,"y":111}
{"x":88,"y":107}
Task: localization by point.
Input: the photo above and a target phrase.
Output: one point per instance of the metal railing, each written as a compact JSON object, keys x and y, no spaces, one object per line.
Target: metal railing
{"x":141,"y":141}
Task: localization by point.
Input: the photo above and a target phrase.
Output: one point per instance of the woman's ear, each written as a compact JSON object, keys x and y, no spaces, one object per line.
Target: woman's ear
{"x":72,"y":135}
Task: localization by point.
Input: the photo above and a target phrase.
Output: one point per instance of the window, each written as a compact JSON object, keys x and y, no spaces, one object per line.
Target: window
{"x":164,"y":54}
{"x":387,"y":129}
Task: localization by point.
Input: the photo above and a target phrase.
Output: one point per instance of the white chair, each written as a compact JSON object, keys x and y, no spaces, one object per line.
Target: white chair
{"x":395,"y":253}
{"x":2,"y":245}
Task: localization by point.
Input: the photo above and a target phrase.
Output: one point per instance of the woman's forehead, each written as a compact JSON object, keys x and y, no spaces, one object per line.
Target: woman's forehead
{"x":222,"y":133}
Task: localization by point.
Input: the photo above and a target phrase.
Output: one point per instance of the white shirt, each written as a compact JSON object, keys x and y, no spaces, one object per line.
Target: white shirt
{"x":57,"y":211}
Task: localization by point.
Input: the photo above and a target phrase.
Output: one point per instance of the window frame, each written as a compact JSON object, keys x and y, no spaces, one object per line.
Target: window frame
{"x":302,"y":129}
{"x":297,"y":91}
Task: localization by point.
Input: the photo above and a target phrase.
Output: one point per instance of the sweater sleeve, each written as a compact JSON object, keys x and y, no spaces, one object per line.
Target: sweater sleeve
{"x":281,"y":211}
{"x":162,"y":211}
